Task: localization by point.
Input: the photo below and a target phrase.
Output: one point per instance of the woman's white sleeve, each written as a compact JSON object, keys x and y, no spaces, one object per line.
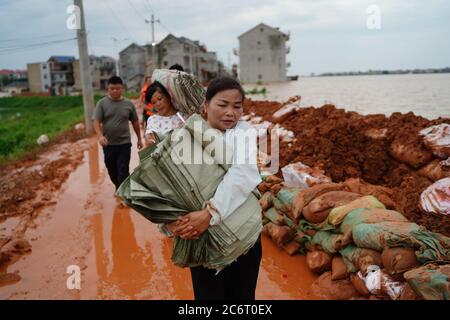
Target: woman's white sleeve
{"x":237,"y":184}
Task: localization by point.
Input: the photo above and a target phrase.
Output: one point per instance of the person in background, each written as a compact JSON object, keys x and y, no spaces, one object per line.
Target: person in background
{"x":111,"y":116}
{"x":176,"y":66}
{"x":147,"y":109}
{"x":166,"y":118}
{"x":146,"y":105}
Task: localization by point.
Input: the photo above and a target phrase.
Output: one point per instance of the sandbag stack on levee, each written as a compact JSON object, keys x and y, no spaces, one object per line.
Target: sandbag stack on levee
{"x":357,"y":242}
{"x":404,"y":152}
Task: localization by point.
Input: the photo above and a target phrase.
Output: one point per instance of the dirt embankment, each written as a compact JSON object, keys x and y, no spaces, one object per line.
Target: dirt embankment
{"x":347,"y":144}
{"x":27,"y":186}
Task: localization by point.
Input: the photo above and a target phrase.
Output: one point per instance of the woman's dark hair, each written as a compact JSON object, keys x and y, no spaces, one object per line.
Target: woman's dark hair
{"x":154,"y":87}
{"x":221,"y":84}
{"x":176,"y":66}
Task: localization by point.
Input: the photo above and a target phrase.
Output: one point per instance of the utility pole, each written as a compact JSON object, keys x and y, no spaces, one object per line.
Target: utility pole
{"x":85,"y":72}
{"x":118,"y":55}
{"x":153,"y":41}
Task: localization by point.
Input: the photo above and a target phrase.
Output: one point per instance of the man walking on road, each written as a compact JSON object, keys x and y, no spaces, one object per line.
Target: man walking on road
{"x":111,"y":116}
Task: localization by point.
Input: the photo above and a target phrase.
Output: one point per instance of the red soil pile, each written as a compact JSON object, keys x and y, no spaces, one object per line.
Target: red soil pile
{"x":381,"y":150}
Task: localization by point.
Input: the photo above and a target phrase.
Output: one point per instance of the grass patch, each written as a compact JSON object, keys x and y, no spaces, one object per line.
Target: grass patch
{"x":257,"y":91}
{"x":24,"y":119}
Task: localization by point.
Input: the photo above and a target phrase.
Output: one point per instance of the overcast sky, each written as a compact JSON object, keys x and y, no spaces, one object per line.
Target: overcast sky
{"x":326,"y":35}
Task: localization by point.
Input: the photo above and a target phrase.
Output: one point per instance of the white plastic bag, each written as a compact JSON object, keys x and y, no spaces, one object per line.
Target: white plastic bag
{"x":286,"y":109}
{"x":299,"y":175}
{"x":437,"y":138}
{"x":380,"y":283}
{"x":436,"y":198}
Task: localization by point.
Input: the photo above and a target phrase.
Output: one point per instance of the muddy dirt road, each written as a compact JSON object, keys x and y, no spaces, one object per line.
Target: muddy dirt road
{"x":120,"y":254}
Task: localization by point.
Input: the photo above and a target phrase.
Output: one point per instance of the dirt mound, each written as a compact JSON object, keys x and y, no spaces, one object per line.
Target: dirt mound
{"x":22,"y":192}
{"x":349,"y":145}
{"x":29,"y":184}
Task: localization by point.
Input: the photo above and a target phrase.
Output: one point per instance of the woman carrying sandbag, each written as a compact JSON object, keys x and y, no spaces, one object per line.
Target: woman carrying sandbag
{"x":223,"y":109}
{"x":166,"y":118}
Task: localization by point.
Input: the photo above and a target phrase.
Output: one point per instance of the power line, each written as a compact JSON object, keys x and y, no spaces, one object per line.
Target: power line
{"x":135,"y":10}
{"x":30,"y":45}
{"x":162,"y":25}
{"x":120,"y":22}
{"x":153,"y":12}
{"x":34,"y":37}
{"x":150,"y":6}
{"x":5,"y":51}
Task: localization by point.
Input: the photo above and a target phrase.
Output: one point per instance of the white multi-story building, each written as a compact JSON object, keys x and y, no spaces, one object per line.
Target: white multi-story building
{"x":262,"y":54}
{"x":132,"y":65}
{"x":136,"y":61}
{"x":191,"y":55}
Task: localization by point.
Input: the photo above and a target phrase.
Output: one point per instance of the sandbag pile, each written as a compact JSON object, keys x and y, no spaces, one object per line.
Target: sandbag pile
{"x":404,"y":152}
{"x":354,"y":238}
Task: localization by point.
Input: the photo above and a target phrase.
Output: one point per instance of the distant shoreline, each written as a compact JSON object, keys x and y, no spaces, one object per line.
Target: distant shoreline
{"x":380,"y":72}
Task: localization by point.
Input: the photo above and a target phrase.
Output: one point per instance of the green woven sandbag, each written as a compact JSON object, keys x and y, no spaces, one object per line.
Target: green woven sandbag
{"x":329,"y":242}
{"x":274,"y":216}
{"x":186,"y":92}
{"x":429,"y":246}
{"x":430,"y":282}
{"x":163,"y":188}
{"x":338,"y":214}
{"x":284,"y":201}
{"x":354,"y":257}
{"x":363,"y":215}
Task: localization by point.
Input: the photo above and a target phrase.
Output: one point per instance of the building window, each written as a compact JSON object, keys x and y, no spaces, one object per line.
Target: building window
{"x":259,"y":42}
{"x":45,"y":76}
{"x":44,"y":67}
{"x":259,"y":59}
{"x":165,"y":63}
{"x":259,"y":77}
{"x":261,"y":29}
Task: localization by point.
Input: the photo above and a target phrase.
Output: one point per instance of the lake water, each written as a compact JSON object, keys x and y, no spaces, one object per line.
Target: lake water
{"x":427,"y":95}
